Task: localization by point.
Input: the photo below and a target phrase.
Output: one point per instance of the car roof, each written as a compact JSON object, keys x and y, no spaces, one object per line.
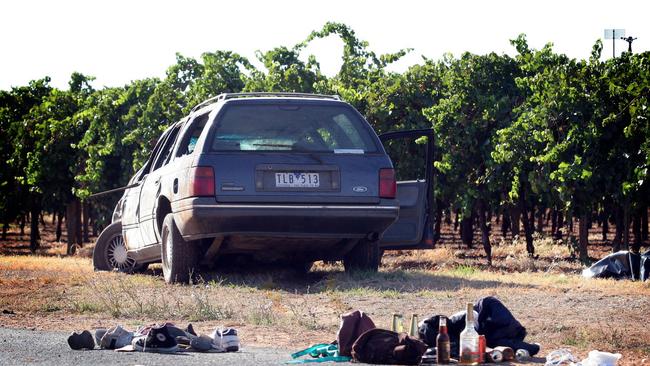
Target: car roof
{"x":262,"y":95}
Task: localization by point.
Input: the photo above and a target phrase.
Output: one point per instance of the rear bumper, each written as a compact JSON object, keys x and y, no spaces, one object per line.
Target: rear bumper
{"x":198,"y":218}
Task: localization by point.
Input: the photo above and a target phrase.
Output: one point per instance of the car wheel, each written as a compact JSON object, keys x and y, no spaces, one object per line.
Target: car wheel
{"x":179,"y":257}
{"x":365,"y":256}
{"x":110,"y":252}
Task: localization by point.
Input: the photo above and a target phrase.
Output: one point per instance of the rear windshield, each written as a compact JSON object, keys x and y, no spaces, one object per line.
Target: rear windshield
{"x":292,"y":127}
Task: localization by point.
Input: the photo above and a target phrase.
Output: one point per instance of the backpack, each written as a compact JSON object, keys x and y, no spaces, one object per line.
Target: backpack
{"x":380,"y":346}
{"x":353,"y":324}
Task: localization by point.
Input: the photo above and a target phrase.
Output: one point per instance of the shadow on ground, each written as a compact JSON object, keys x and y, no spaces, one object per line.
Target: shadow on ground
{"x":267,"y":277}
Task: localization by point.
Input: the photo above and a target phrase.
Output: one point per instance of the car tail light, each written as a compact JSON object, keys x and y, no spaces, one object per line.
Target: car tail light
{"x":387,"y":183}
{"x":201,"y":181}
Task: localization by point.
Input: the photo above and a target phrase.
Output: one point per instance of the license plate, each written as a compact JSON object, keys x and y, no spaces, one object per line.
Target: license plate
{"x":297,"y":180}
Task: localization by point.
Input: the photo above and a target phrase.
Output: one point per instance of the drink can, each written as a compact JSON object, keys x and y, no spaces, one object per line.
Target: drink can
{"x":481,"y":348}
{"x":522,"y":355}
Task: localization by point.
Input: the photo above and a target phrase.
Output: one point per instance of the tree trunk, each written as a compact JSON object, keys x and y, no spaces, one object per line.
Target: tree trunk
{"x":561,"y":222}
{"x":59,"y":217}
{"x":22,"y":225}
{"x":530,"y":248}
{"x":456,"y":221}
{"x":72,"y":224}
{"x":618,"y":235}
{"x":531,"y":219}
{"x":636,"y":229}
{"x":505,"y":223}
{"x":467,"y":231}
{"x":78,"y":232}
{"x":40,"y":215}
{"x":34,"y":235}
{"x":515,"y":215}
{"x":438,"y":226}
{"x":485,"y":232}
{"x":5,"y":227}
{"x":626,"y":226}
{"x":605,"y":226}
{"x":583,"y":237}
{"x":85,"y":218}
{"x":553,"y":222}
{"x":644,"y":223}
{"x":571,"y":224}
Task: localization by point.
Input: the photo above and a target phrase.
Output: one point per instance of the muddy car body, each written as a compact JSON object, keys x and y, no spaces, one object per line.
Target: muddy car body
{"x":292,"y":178}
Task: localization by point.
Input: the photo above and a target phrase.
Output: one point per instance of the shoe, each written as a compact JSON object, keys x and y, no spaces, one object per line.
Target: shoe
{"x":81,"y":340}
{"x":226,"y":340}
{"x":99,"y":333}
{"x":116,"y":337}
{"x":158,"y":340}
{"x":190,"y":329}
{"x":175,"y":332}
{"x":202,"y":343}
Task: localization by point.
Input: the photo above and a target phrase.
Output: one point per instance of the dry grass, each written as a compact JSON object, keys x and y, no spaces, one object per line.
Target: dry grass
{"x":546,"y":294}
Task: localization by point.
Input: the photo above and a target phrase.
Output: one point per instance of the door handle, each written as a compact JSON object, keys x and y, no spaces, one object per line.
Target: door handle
{"x":175,"y":185}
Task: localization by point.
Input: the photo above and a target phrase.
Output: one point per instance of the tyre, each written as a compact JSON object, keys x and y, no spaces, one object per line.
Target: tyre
{"x":179,"y":257}
{"x":365,"y":256}
{"x":110,"y":252}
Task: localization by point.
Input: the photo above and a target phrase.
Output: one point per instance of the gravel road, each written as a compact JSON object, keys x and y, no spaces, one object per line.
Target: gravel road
{"x":27,"y":347}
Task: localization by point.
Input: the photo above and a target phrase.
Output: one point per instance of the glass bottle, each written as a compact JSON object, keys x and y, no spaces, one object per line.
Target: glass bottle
{"x":469,"y":352}
{"x":398,"y":323}
{"x":443,"y":348}
{"x":413,"y":330}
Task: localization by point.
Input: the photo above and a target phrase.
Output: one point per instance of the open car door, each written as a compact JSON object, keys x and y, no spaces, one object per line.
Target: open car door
{"x":413,"y":162}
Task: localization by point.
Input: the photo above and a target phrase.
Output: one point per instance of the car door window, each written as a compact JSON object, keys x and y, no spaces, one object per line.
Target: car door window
{"x":166,"y":150}
{"x":156,"y":149}
{"x":188,"y":144}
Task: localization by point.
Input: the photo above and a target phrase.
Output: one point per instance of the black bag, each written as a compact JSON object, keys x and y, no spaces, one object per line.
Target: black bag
{"x":380,"y":346}
{"x":620,"y":265}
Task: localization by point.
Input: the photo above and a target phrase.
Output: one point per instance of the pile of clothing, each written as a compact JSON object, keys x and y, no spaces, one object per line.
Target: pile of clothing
{"x":359,"y":340}
{"x":160,"y":338}
{"x":493,"y":320}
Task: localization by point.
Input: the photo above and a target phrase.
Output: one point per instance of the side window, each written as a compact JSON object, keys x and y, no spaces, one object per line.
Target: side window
{"x":156,"y":150}
{"x":192,"y":135}
{"x":166,"y":150}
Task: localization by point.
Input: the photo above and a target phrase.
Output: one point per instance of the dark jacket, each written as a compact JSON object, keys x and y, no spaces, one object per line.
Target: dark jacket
{"x":495,"y":321}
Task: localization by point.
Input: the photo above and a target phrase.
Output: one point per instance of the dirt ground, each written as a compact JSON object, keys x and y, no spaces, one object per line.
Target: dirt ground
{"x":273,"y":307}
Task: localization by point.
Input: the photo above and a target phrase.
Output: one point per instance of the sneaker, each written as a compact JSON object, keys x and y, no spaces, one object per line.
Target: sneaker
{"x":81,"y":340}
{"x":226,"y":339}
{"x":157,"y":340}
{"x":116,"y":337}
{"x":202,"y":343}
{"x":99,"y":333}
{"x":190,"y":329}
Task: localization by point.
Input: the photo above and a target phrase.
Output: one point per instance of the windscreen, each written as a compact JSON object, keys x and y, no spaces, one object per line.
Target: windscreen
{"x":292,"y":127}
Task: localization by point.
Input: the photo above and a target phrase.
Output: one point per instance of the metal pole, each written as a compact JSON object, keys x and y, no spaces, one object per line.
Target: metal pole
{"x":613,"y":43}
